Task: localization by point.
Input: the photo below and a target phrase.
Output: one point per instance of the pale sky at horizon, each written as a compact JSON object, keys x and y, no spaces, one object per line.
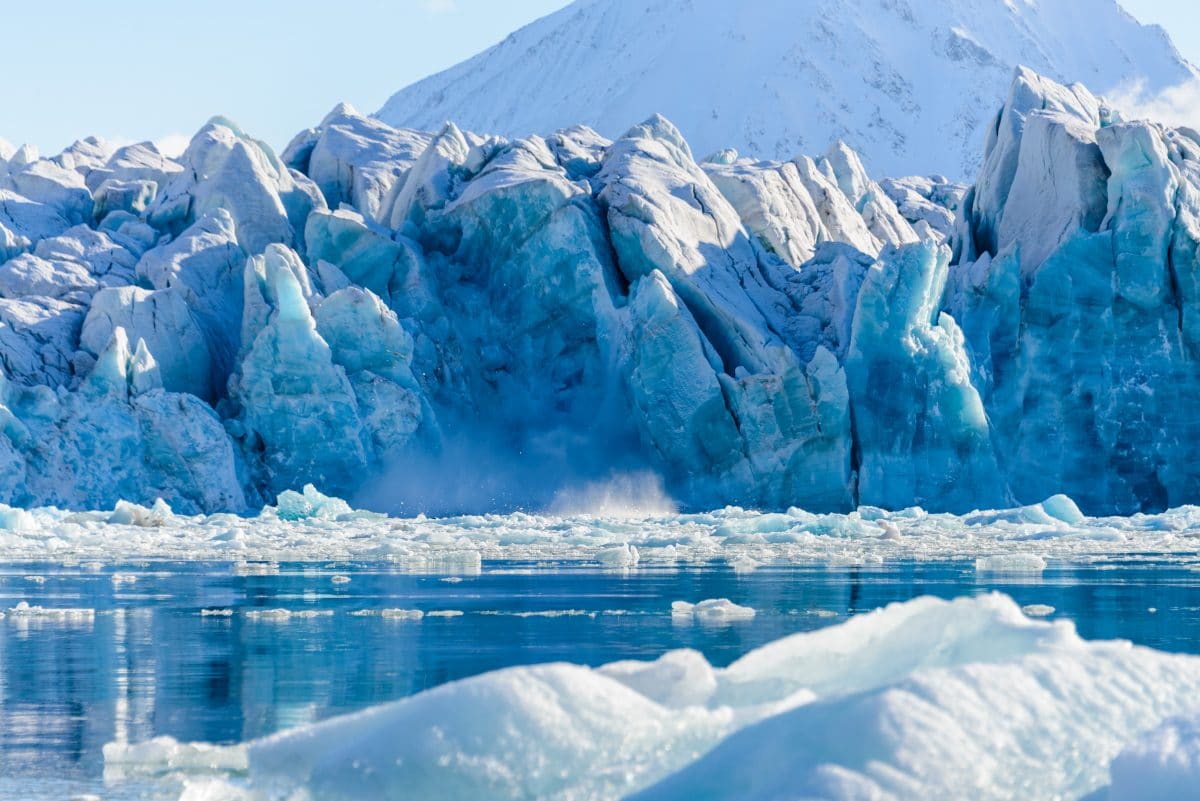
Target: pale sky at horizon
{"x":122,"y":69}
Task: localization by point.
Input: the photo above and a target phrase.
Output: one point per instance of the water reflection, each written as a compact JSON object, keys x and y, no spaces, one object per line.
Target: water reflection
{"x":149,"y":663}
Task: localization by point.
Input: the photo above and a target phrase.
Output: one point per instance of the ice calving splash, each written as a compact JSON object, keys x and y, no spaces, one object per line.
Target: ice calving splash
{"x":309,"y":526}
{"x":918,"y":683}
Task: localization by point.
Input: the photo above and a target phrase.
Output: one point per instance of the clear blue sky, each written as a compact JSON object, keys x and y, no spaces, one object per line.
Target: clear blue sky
{"x":139,"y":69}
{"x":144,"y":69}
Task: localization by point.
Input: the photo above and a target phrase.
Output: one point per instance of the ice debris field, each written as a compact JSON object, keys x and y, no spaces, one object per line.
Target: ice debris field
{"x":311,"y":527}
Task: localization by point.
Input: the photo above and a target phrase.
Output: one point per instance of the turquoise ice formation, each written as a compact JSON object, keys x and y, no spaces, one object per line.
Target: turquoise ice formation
{"x":391,"y":314}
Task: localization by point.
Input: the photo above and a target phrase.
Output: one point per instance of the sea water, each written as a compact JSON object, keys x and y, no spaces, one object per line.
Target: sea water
{"x":215,"y":652}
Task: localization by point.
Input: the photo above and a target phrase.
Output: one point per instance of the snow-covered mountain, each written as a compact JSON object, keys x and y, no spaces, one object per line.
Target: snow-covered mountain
{"x":910,"y":84}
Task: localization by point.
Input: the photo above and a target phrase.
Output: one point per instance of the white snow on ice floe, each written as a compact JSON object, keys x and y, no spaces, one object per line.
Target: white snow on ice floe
{"x":896,"y":704}
{"x":1018,"y":540}
{"x":1161,"y":765}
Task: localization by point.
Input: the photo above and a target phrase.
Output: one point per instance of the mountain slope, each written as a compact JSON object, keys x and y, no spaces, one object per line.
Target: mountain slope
{"x":912,"y":85}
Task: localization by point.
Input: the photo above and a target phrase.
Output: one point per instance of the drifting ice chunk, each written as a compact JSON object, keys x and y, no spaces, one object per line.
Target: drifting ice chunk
{"x":713,"y":611}
{"x":311,"y":504}
{"x":131,"y":514}
{"x":413,"y":615}
{"x":620,"y":556}
{"x":1010,"y":563}
{"x":164,"y":755}
{"x":66,"y":615}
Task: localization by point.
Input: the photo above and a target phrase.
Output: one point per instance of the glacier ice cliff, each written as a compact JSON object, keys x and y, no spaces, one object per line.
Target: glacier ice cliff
{"x":389,"y":314}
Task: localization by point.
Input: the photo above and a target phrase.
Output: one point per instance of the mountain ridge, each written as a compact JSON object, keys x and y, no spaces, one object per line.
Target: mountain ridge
{"x":879,"y":74}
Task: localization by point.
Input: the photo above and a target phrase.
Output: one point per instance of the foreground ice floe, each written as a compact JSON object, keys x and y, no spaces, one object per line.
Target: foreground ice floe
{"x":926,"y":699}
{"x":312,"y":527}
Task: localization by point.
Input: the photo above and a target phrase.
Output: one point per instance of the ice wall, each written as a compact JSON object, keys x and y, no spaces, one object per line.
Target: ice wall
{"x":384,"y":312}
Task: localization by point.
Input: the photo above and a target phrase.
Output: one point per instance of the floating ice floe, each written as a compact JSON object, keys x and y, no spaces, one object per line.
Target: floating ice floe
{"x":283,"y":615}
{"x":898,"y":704}
{"x":1010,"y":563}
{"x":714,"y":610}
{"x":24,"y":610}
{"x":402,"y":614}
{"x":1038,"y":610}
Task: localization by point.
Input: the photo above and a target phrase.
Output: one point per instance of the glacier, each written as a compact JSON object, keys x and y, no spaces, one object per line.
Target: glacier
{"x":455,"y":323}
{"x":919,"y":684}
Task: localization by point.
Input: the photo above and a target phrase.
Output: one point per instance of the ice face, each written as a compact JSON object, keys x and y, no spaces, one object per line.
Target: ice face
{"x":383,"y":306}
{"x":895,"y":704}
{"x":356,"y":160}
{"x":118,"y":432}
{"x":1100,"y":242}
{"x":225,"y":169}
{"x":922,"y":426}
